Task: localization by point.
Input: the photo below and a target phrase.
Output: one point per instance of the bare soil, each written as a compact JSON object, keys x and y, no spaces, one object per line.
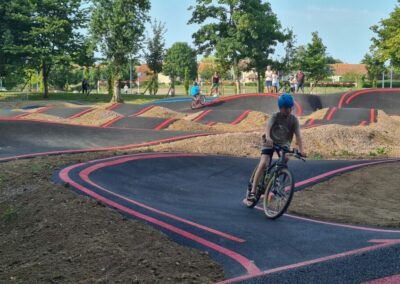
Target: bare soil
{"x":368,"y":197}
{"x":50,"y":234}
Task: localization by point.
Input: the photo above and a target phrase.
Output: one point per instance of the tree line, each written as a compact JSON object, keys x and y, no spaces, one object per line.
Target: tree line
{"x":236,"y":35}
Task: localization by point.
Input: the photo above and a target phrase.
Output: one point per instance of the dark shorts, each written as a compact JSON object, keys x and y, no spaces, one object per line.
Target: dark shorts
{"x":267,"y":151}
{"x":268,"y":83}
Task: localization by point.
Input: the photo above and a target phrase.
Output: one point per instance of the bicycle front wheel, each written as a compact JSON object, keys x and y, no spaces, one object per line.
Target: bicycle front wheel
{"x":279,"y":194}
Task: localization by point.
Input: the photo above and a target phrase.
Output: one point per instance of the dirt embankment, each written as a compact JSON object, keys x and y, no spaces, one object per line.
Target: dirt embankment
{"x":378,"y":140}
{"x":48,"y":234}
{"x":367,"y":197}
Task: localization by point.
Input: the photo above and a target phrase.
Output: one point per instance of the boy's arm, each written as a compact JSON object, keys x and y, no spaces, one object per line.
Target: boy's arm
{"x":299,"y":139}
{"x":268,"y":130}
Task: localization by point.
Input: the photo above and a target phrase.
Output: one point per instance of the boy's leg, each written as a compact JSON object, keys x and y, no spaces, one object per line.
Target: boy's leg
{"x":264,"y":161}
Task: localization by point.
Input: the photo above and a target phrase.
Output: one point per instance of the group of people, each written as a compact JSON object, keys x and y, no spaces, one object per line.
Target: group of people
{"x":295,"y":82}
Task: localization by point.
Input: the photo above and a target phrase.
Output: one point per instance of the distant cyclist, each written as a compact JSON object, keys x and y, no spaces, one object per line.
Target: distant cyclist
{"x":195,"y":90}
{"x":280,"y":130}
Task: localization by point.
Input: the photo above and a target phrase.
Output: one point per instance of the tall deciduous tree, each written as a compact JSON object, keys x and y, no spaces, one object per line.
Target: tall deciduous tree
{"x":178,"y":58}
{"x":54,"y":35}
{"x":237,"y":29}
{"x":313,"y":59}
{"x":387,"y":38}
{"x":118,"y":25}
{"x":261,"y":31}
{"x":15,"y":24}
{"x":155,"y":53}
{"x":219,"y":32}
{"x":375,"y":67}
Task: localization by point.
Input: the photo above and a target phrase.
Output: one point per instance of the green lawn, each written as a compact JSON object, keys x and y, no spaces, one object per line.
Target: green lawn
{"x":92,"y":98}
{"x":139,"y":99}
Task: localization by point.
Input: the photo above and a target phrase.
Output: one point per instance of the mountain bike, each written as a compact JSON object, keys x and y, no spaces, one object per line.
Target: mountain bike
{"x":276,"y":184}
{"x":198,"y":101}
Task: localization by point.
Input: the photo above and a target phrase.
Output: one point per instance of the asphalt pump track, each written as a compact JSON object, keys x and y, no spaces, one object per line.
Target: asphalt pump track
{"x":196,"y":200}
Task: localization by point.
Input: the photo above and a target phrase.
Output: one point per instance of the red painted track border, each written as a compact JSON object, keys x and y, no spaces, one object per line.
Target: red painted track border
{"x":79,"y":114}
{"x":165,"y":123}
{"x":142,"y":111}
{"x":240,"y":117}
{"x":112,"y":121}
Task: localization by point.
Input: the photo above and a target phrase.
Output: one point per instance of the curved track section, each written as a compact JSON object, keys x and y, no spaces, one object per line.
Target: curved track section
{"x":27,"y":138}
{"x":196,"y":200}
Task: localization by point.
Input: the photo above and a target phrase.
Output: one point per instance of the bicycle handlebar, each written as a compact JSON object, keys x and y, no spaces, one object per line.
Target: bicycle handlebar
{"x":286,"y":150}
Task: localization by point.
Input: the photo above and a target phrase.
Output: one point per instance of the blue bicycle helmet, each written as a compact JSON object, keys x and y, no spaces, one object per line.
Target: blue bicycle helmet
{"x":285,"y":101}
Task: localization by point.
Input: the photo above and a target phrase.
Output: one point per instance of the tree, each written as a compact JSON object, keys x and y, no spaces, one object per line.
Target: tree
{"x":237,"y":29}
{"x":375,"y":67}
{"x":54,"y":37}
{"x":155,"y":55}
{"x":261,"y":31}
{"x":118,"y":25}
{"x":313,"y":61}
{"x":387,"y":39}
{"x":220,"y":33}
{"x":332,"y":60}
{"x":178,"y":58}
{"x":15,"y":24}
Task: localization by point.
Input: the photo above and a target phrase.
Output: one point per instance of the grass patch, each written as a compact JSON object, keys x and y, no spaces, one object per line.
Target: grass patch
{"x":10,"y":213}
{"x":92,"y":98}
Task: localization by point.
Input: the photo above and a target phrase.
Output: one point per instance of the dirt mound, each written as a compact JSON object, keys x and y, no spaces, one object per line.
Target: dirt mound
{"x":377,"y":140}
{"x":94,"y":118}
{"x":187,"y":125}
{"x":317,"y":115}
{"x":253,"y":121}
{"x":162,"y":112}
{"x":233,"y":144}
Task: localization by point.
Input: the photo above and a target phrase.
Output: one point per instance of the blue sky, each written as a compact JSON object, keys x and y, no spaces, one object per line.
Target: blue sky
{"x":342,"y":24}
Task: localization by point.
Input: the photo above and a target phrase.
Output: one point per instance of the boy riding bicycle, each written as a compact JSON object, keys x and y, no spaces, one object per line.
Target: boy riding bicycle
{"x":195,"y":90}
{"x":280,"y":130}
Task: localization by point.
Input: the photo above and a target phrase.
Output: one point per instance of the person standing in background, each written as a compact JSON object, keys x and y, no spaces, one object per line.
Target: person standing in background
{"x":300,"y":77}
{"x":268,"y":79}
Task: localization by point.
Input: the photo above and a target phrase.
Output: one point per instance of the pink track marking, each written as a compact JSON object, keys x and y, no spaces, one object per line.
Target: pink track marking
{"x":202,"y":115}
{"x":349,"y":99}
{"x":164,"y":124}
{"x":380,"y":244}
{"x":342,"y":98}
{"x":363,"y":123}
{"x":113,"y":106}
{"x":240,"y":117}
{"x":211,"y":123}
{"x":394,"y":279}
{"x":250,"y":267}
{"x":372,"y":115}
{"x":142,"y":111}
{"x":311,"y":122}
{"x":330,"y":114}
{"x":225,"y":99}
{"x":84,"y":174}
{"x":81,"y":113}
{"x":112,"y":121}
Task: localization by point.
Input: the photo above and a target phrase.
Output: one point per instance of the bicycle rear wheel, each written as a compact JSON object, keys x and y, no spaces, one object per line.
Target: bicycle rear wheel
{"x":279,"y":194}
{"x":202,"y":99}
{"x":193,"y":105}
